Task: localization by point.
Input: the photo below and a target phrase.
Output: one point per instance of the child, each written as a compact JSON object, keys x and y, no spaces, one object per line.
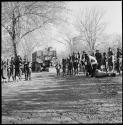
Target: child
{"x":58,"y":67}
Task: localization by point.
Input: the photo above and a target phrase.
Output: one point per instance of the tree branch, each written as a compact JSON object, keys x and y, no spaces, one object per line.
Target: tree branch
{"x":30,"y":31}
{"x":60,"y":41}
{"x":10,"y":33}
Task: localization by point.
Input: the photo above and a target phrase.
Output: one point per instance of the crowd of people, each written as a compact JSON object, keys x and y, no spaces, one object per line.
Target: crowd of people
{"x":14,"y":68}
{"x":89,"y":64}
{"x":72,"y":65}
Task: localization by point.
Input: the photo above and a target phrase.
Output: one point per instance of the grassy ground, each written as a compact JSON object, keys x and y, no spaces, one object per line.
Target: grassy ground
{"x":50,"y":99}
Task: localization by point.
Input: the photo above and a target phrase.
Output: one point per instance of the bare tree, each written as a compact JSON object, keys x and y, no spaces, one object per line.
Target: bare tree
{"x":6,"y":47}
{"x":91,"y":26}
{"x":67,"y":38}
{"x":21,"y":18}
{"x":117,"y":41}
{"x":109,"y":40}
{"x":66,"y":34}
{"x":28,"y":45}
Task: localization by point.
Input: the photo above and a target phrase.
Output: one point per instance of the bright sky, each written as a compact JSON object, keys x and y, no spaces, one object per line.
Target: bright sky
{"x":113,"y":15}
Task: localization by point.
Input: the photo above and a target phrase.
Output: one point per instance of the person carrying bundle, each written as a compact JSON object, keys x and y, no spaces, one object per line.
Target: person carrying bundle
{"x":91,"y":64}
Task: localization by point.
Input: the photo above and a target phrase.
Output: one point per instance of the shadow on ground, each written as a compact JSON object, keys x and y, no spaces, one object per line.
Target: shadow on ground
{"x":71,"y":94}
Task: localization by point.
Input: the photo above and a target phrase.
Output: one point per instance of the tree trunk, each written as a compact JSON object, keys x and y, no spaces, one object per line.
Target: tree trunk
{"x":14,"y":35}
{"x":15,"y":48}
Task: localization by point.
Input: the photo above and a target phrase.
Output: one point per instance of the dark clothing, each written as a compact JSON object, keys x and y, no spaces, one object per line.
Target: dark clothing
{"x":11,"y":67}
{"x":119,"y":53}
{"x":118,"y":65}
{"x":17,"y":66}
{"x":78,"y":56}
{"x":82,"y":62}
{"x":58,"y":67}
{"x":99,"y":59}
{"x":12,"y":63}
{"x":76,"y":67}
{"x":70,"y":67}
{"x":26,"y":69}
{"x":63,"y":62}
{"x":104,"y":60}
{"x":75,"y":63}
{"x":26,"y":66}
{"x":64,"y":66}
{"x":64,"y":70}
{"x":94,"y":67}
{"x":110,"y":53}
{"x":73,"y":57}
{"x":110,"y":63}
{"x":88,"y":68}
{"x":68,"y":60}
{"x":2,"y":64}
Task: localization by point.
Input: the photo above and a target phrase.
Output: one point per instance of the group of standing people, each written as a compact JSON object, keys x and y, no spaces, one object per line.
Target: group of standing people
{"x":15,"y":67}
{"x":87,"y":63}
{"x":109,"y":60}
{"x":69,"y":65}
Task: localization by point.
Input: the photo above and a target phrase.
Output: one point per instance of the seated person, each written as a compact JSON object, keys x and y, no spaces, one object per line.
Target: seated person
{"x":99,"y":74}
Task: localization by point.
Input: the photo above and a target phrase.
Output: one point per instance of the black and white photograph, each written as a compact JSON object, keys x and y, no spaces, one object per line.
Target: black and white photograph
{"x":61,"y":62}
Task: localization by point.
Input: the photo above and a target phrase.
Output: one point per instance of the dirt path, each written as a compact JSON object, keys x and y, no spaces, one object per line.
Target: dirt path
{"x":48,"y":99}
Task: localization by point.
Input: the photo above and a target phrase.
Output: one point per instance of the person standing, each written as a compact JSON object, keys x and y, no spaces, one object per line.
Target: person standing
{"x":5,"y":70}
{"x":104,"y":61}
{"x":12,"y":68}
{"x":30,"y":70}
{"x":17,"y":67}
{"x":110,"y":60}
{"x":8,"y":69}
{"x":25,"y":65}
{"x":79,"y":67}
{"x":98,"y":58}
{"x":58,"y":67}
{"x":68,"y":63}
{"x":2,"y":68}
{"x":119,"y":54}
{"x":73,"y":57}
{"x":76,"y":66}
{"x":26,"y":68}
{"x":83,"y":61}
{"x":92,"y":64}
{"x":78,"y":56}
{"x":70,"y":67}
{"x":20,"y":66}
{"x":64,"y":67}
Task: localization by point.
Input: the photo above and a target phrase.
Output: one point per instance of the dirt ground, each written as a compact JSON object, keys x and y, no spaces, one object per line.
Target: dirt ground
{"x":50,"y":99}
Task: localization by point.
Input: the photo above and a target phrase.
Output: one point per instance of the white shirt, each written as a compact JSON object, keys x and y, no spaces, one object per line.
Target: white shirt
{"x":92,"y":60}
